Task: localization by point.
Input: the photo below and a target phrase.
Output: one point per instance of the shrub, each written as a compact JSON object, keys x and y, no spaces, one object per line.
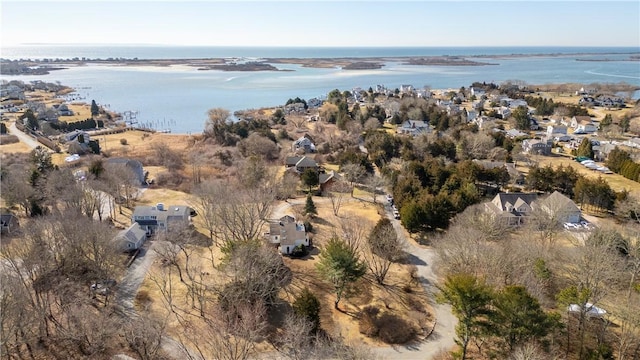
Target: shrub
{"x":8,"y":139}
{"x":307,"y":305}
{"x":300,"y":251}
{"x":367,"y":323}
{"x":123,"y":141}
{"x":394,"y":329}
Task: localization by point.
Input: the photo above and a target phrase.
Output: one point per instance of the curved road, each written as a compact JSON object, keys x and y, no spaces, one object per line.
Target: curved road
{"x":443,"y":335}
{"x":25,"y":138}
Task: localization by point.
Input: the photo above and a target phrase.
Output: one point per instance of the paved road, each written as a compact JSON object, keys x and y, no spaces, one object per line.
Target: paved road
{"x":443,"y":335}
{"x":25,"y":138}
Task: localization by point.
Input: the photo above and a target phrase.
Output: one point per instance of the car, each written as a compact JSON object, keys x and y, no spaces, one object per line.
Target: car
{"x":389,"y":198}
{"x":396,"y":215}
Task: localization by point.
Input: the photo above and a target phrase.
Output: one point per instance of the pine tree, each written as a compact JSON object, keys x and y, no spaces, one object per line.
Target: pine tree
{"x":310,"y":206}
{"x":585,"y":149}
{"x":307,"y":305}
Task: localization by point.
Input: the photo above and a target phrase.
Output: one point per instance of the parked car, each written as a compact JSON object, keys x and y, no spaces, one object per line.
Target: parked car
{"x":390,"y":198}
{"x":396,"y":215}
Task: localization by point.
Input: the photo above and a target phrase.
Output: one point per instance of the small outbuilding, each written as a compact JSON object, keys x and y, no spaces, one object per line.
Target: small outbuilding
{"x":132,"y":238}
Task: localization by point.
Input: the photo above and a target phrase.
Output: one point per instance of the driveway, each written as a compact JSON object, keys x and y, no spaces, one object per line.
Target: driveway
{"x":443,"y":335}
{"x":25,"y":138}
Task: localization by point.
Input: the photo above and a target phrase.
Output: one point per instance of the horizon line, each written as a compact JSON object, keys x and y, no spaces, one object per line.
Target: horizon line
{"x":317,"y":46}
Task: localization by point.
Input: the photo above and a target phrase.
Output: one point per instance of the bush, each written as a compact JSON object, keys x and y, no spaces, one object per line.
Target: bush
{"x":123,"y":141}
{"x":308,"y":226}
{"x":367,"y":323}
{"x":394,"y":329}
{"x":300,"y":251}
{"x":8,"y":139}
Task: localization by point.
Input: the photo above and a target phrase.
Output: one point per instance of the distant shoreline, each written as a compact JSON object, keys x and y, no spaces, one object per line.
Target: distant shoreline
{"x":43,"y":67}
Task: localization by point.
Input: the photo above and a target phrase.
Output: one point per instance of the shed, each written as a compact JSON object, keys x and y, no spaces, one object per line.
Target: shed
{"x":132,"y":238}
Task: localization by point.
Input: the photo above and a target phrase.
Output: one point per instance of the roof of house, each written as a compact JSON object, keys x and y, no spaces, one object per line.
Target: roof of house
{"x":306,"y":162}
{"x":288,"y":229}
{"x":507,"y":201}
{"x":171,"y":212}
{"x":325,"y":177}
{"x":292,"y":160}
{"x":558,"y":201}
{"x":133,"y":233}
{"x":580,"y":119}
{"x":124,"y":161}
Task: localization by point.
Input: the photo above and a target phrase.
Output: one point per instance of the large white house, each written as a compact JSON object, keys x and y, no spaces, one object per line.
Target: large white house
{"x":287,"y":233}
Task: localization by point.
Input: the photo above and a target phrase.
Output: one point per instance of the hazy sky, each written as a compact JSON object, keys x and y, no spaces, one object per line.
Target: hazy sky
{"x":323,"y":23}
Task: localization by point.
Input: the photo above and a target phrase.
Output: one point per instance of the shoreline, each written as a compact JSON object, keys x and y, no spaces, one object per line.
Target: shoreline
{"x":45,"y":66}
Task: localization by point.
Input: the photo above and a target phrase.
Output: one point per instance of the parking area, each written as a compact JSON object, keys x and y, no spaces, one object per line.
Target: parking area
{"x":583,"y":225}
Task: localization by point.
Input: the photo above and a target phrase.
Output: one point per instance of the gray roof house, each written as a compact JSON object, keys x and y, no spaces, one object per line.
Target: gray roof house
{"x":134,"y":165}
{"x":158,"y":218}
{"x":511,"y":207}
{"x":413,"y":127}
{"x":535,"y":146}
{"x":560,"y":207}
{"x":305,"y":144}
{"x":132,"y":238}
{"x":300,"y":163}
{"x":286,"y":233}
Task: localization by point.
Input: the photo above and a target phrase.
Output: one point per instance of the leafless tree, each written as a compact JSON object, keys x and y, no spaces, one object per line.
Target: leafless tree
{"x":476,"y":146}
{"x":353,"y":173}
{"x":354,"y":231}
{"x":375,"y":183}
{"x":16,"y":189}
{"x":216,"y":117}
{"x":144,"y":336}
{"x":336,"y":193}
{"x":371,"y":124}
{"x":383,"y":248}
{"x":258,"y":145}
{"x":231,"y":213}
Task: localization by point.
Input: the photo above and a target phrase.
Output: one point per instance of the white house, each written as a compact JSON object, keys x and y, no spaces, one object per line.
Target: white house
{"x":305,"y":144}
{"x":556,"y":130}
{"x":413,"y":127}
{"x":477,"y":92}
{"x":155,"y":218}
{"x":583,"y":124}
{"x":286,"y":233}
{"x":504,"y":112}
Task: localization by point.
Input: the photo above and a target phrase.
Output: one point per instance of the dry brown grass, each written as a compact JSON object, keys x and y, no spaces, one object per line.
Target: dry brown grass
{"x":18,"y":147}
{"x":617,"y":182}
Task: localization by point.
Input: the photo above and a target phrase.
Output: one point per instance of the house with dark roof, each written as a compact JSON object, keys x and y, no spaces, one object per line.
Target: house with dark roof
{"x":304,"y":143}
{"x":512,"y":208}
{"x":537,"y":146}
{"x":560,"y":207}
{"x":328,"y":179}
{"x":158,"y":218}
{"x":286,"y":233}
{"x":300,"y":163}
{"x":8,"y":221}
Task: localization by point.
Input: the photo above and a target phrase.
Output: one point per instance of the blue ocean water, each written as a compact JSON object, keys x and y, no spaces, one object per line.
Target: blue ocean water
{"x":178,"y":97}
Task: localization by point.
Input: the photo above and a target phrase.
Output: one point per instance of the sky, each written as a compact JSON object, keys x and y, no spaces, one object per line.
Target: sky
{"x":322,"y":23}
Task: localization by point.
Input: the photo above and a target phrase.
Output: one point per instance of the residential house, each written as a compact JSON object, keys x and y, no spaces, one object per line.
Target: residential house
{"x":536,"y":146}
{"x":556,"y":130}
{"x":300,"y":163}
{"x":304,"y":143}
{"x":158,"y":218}
{"x":560,"y":207}
{"x":478,"y":104}
{"x":504,"y":112}
{"x":286,"y":233}
{"x":515,"y":133}
{"x":406,"y":89}
{"x":511,"y":207}
{"x":471,"y":114}
{"x":80,"y":136}
{"x":514,"y":104}
{"x":424,"y":93}
{"x":132,"y":238}
{"x":477,"y":92}
{"x":134,"y":166}
{"x":583,"y":124}
{"x":8,"y":221}
{"x":328,"y":179}
{"x":414,"y":127}
{"x":63,"y":110}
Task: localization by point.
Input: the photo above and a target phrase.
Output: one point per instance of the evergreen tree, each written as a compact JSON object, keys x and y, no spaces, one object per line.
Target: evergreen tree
{"x":95,"y":110}
{"x":518,"y":317}
{"x":585,"y":149}
{"x":307,"y":305}
{"x":310,"y":206}
{"x":310,"y":178}
{"x":340,"y":265}
{"x":608,"y":120}
{"x":469,"y":298}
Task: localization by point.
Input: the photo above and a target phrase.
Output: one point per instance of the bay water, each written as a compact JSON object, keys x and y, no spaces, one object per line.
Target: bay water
{"x":177,"y":97}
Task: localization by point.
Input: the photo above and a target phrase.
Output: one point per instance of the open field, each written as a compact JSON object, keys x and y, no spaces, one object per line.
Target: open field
{"x":617,"y":182}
